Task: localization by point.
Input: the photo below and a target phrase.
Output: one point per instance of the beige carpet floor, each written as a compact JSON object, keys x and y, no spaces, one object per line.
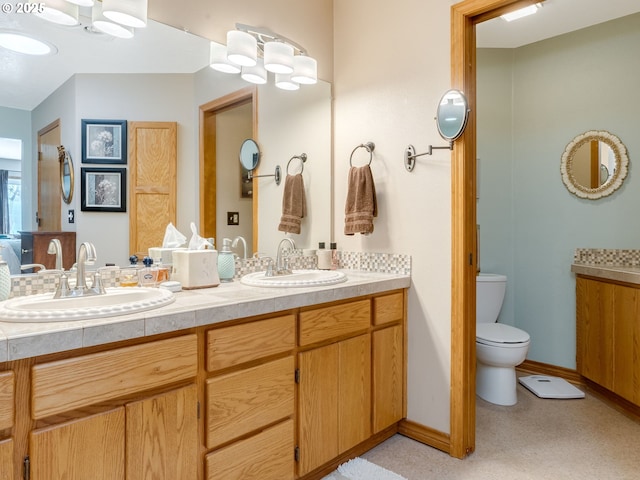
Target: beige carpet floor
{"x":535,"y":439}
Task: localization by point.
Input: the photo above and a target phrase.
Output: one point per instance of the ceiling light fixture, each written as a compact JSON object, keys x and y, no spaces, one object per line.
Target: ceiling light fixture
{"x":105,"y":25}
{"x":254,"y":51}
{"x":523,"y":12}
{"x":21,"y":43}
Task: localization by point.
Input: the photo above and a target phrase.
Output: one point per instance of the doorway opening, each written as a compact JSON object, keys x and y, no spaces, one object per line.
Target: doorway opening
{"x":228,"y":207}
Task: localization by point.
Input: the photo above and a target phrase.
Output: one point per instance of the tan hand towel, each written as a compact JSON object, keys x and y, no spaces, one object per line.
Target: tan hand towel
{"x":361,"y":205}
{"x":294,"y":205}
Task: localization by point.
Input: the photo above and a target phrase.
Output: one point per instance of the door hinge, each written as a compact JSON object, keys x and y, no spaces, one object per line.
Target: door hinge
{"x":26,"y":472}
{"x":297,"y":375}
{"x":296,"y":454}
{"x":198,"y":409}
{"x":471,"y":259}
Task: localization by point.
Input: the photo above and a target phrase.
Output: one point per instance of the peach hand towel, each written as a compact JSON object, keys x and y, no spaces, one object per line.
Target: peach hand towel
{"x":361,"y":205}
{"x":294,"y":204}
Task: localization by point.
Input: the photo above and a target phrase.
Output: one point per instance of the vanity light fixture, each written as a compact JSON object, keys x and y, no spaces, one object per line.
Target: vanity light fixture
{"x":131,"y":13}
{"x":117,"y":18}
{"x":255,"y":51}
{"x":102,"y":24}
{"x":59,"y":11}
{"x":522,"y":12}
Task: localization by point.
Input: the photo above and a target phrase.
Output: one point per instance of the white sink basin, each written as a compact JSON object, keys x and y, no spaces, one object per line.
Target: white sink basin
{"x":299,"y":278}
{"x":117,"y":301}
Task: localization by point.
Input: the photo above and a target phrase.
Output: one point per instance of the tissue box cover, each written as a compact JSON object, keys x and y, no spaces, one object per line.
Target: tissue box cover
{"x":195,"y":268}
{"x":164,"y":255}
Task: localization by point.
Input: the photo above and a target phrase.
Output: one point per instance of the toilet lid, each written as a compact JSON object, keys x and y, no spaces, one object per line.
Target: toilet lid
{"x":500,"y":333}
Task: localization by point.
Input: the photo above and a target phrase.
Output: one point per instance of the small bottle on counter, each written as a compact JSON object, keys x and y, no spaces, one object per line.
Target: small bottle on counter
{"x":335,"y":261}
{"x":148,"y":276}
{"x":324,"y":257}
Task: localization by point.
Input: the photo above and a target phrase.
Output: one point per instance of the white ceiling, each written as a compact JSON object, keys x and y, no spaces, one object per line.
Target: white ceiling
{"x":26,"y":81}
{"x":554,"y":18}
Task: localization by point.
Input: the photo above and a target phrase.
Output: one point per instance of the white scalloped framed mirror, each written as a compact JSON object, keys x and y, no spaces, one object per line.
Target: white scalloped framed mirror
{"x":594,"y":164}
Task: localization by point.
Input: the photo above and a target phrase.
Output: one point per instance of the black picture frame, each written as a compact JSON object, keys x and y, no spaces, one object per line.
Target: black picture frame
{"x":103,"y":189}
{"x":104,"y":141}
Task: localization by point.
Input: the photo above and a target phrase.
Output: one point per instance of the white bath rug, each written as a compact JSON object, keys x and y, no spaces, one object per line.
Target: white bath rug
{"x":361,"y":469}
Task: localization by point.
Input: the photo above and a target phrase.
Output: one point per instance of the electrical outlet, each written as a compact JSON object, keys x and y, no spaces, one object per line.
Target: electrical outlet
{"x":233,"y":218}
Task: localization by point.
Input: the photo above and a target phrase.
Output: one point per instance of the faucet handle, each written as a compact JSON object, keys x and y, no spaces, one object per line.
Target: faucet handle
{"x":62,"y":289}
{"x":97,"y":286}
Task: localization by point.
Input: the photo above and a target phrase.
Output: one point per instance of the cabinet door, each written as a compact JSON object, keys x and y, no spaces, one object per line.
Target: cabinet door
{"x":388,"y":377}
{"x":317,"y":407}
{"x":6,"y":460}
{"x":162,"y":436}
{"x":334,"y":400}
{"x":595,"y":319}
{"x":88,"y":448}
{"x":354,"y":391}
{"x":626,"y":362}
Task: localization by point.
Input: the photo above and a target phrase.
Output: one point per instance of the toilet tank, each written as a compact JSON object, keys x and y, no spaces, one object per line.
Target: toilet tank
{"x":490,"y":290}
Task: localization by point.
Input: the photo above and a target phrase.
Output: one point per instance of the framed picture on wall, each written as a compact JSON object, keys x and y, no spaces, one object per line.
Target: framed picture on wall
{"x":104,"y":190}
{"x":104,"y":141}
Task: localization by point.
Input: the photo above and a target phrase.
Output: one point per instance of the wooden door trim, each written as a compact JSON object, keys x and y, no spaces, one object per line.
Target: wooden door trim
{"x":464,"y":17}
{"x":232,"y":100}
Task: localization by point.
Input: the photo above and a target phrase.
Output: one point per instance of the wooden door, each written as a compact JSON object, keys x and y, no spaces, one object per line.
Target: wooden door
{"x":91,"y":447}
{"x":388,"y":377}
{"x":49,"y":193}
{"x":152,"y":191}
{"x":162,"y":436}
{"x":317,"y":407}
{"x":354,"y":391}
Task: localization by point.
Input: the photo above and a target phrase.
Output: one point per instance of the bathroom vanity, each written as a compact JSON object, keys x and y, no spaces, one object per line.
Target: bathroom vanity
{"x":232,"y":382}
{"x":607,"y":328}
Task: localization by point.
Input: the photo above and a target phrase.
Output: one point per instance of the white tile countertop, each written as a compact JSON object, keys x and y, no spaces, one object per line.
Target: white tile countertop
{"x":192,"y":308}
{"x":608,"y":272}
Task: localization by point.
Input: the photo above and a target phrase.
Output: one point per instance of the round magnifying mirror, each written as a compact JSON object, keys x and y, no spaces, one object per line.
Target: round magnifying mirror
{"x":453,"y":111}
{"x":249,"y":154}
{"x":66,"y":174}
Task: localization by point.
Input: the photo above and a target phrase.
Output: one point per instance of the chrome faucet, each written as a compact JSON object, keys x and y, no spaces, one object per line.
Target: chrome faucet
{"x":55,"y":248}
{"x":86,"y":256}
{"x":280,"y":268}
{"x":244,"y":244}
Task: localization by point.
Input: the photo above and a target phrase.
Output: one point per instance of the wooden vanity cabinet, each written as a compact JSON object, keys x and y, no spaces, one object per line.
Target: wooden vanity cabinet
{"x":250,"y":400}
{"x":351,"y":380}
{"x":148,"y":436}
{"x":608,"y":335}
{"x":7,"y":414}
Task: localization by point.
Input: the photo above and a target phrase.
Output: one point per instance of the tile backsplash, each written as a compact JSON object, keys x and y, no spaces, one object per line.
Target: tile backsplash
{"x":362,"y":261}
{"x":607,"y":256}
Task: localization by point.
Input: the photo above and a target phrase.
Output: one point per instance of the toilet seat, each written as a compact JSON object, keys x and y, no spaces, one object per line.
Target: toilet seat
{"x":500,"y":335}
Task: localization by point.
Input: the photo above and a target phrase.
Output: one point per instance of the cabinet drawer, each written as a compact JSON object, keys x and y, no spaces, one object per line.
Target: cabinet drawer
{"x":77,"y":382}
{"x":331,"y":322}
{"x":388,"y":308}
{"x":265,"y":456}
{"x":244,"y":401}
{"x":229,"y":346}
{"x":7,"y":402}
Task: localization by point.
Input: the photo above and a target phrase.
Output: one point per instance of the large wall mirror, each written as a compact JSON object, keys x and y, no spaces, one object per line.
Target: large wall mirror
{"x":288,"y":122}
{"x":594,"y":164}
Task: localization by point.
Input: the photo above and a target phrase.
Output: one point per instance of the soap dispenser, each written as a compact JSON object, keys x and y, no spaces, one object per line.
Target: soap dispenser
{"x":226,"y":262}
{"x":5,"y":280}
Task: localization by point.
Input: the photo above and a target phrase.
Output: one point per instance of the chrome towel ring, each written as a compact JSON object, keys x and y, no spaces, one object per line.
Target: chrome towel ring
{"x":302,"y":157}
{"x":369,"y":147}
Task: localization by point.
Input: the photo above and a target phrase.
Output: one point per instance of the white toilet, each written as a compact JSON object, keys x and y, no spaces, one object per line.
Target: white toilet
{"x":499,"y":347}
